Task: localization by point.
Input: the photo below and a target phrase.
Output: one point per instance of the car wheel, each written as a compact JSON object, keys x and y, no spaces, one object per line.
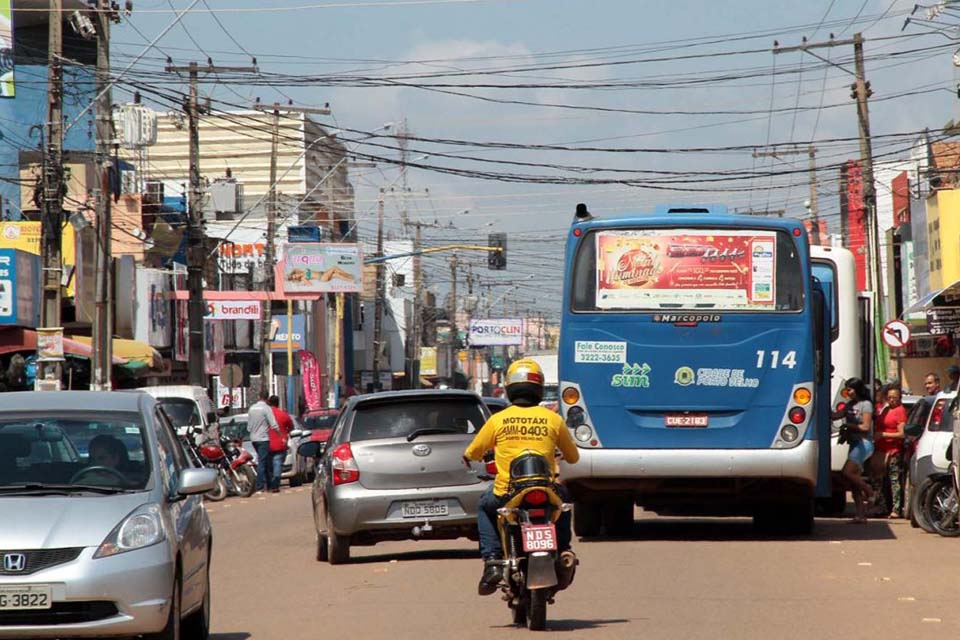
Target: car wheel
{"x":197,"y":626}
{"x":586,"y":519}
{"x":338,"y":547}
{"x":296,"y":480}
{"x":322,"y":548}
{"x":172,"y":630}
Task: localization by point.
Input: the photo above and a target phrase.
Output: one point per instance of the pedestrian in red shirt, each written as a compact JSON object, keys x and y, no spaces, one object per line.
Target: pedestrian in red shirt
{"x":278,"y":442}
{"x":887,"y":462}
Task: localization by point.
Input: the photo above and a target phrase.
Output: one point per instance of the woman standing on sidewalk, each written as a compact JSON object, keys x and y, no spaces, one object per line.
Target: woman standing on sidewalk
{"x":858,"y":431}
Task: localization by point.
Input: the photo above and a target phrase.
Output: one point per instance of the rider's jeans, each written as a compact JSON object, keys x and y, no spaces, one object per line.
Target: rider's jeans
{"x":487,"y":506}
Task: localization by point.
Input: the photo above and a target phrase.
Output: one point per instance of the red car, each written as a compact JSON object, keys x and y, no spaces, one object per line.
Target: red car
{"x":317,"y":427}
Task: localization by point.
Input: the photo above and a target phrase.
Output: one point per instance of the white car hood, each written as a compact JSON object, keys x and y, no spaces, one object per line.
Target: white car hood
{"x":52,"y":522}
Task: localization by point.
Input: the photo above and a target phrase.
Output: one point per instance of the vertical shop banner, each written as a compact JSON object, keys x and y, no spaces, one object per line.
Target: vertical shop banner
{"x":644,"y":269}
{"x":310,"y":372}
{"x":6,"y":50}
{"x":214,"y":356}
{"x":181,"y":335}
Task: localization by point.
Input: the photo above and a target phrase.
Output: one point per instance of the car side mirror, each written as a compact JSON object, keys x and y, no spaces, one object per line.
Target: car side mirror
{"x":312,"y":449}
{"x":196,"y":481}
{"x":296,"y":433}
{"x":913,"y":430}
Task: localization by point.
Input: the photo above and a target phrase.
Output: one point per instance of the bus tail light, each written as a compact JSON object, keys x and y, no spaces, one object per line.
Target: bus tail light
{"x":789,"y":433}
{"x":797,"y":415}
{"x":571,"y":395}
{"x":802,"y":396}
{"x":575,"y":417}
{"x":583,"y":433}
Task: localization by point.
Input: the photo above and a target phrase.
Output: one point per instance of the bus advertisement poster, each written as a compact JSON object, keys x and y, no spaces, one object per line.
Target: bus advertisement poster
{"x":730,"y":269}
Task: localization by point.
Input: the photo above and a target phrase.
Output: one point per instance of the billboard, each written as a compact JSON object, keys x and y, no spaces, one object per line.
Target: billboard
{"x":153,"y":320}
{"x":646,"y":269}
{"x":243,"y":247}
{"x":19,"y":288}
{"x":6,"y":50}
{"x":279,"y":342}
{"x":313,"y":267}
{"x":496,"y":332}
{"x":25,"y":236}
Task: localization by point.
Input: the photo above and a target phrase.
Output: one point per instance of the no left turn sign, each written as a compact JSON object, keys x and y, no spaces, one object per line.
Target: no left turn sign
{"x":896,"y":334}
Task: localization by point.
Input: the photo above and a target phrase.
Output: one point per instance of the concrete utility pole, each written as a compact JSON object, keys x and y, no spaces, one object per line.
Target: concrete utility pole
{"x":812,"y":155}
{"x":378,"y":300}
{"x":102,"y":360}
{"x":51,"y":217}
{"x":454,"y":263}
{"x":195,"y":233}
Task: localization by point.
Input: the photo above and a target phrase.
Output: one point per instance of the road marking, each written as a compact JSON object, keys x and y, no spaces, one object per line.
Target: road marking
{"x":864,"y":564}
{"x":931,"y":620}
{"x":884,"y":579}
{"x":835,"y":542}
{"x":907,"y":599}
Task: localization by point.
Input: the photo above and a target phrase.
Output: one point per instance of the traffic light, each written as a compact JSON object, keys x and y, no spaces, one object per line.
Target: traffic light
{"x":497,"y":260}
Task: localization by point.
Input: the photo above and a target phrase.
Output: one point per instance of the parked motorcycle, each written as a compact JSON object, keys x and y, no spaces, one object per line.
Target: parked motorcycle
{"x":238,"y":467}
{"x":941,"y":508}
{"x":534,"y":570}
{"x":202,"y":458}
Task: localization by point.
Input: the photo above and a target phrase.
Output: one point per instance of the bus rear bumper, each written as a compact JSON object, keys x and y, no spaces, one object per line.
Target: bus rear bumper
{"x":601,"y":466}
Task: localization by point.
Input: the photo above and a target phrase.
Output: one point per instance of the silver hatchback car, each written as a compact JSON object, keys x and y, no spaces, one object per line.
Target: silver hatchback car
{"x":393,"y":470}
{"x":106,"y":534}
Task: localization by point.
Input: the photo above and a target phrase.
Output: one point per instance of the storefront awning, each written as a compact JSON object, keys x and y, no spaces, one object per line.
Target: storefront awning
{"x":133,"y":354}
{"x":16,"y":339}
{"x":946,"y":297}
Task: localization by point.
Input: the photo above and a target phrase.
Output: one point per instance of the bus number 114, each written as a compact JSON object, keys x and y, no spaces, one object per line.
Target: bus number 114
{"x":789,"y":360}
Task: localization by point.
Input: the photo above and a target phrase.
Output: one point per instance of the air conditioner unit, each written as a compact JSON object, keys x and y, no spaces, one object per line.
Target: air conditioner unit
{"x":153,"y":192}
{"x":137,"y":125}
{"x":226,"y":195}
{"x":129,"y":182}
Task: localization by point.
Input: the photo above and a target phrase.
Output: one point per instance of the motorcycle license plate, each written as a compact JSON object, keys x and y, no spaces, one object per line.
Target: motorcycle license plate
{"x":424,"y":509}
{"x":20,"y":597}
{"x":539,"y":537}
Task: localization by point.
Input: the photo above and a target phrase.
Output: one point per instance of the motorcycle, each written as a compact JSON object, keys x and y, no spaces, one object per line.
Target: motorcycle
{"x":534,"y":570}
{"x":240,"y":471}
{"x":201,"y":458}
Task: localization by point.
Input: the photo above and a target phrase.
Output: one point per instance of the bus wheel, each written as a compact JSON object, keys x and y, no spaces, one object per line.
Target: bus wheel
{"x":835,"y":505}
{"x":586,"y":519}
{"x":785,"y":519}
{"x":618,"y":518}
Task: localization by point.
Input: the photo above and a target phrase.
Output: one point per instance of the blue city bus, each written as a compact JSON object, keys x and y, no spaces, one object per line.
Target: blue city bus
{"x":694,"y":354}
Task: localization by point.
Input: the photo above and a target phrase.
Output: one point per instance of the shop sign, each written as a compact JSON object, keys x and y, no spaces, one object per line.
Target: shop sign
{"x":496,"y":331}
{"x":19,"y":288}
{"x":279,"y":328}
{"x":233,"y":310}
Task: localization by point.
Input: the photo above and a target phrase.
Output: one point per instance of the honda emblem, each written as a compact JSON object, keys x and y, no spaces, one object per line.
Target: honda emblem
{"x":14,"y":562}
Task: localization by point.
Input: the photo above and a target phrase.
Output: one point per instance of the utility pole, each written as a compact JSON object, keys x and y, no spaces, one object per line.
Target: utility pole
{"x":266,"y":374}
{"x":453,"y":314}
{"x":812,"y":155}
{"x":52,"y":210}
{"x":195,"y":234}
{"x":416,"y":335}
{"x":378,"y":300}
{"x":102,"y":360}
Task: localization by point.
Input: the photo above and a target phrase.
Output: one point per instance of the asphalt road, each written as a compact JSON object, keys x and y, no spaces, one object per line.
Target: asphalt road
{"x":673,"y":578}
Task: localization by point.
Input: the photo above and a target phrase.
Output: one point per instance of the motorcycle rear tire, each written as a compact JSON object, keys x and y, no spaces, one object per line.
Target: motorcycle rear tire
{"x":537,"y":616}
{"x":219,"y":491}
{"x":245,"y":479}
{"x":940,"y":509}
{"x":520,"y":615}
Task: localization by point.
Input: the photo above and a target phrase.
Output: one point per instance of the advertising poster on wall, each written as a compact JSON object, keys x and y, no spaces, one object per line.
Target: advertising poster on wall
{"x":314,"y":267}
{"x":6,"y":50}
{"x":644,"y":269}
{"x":50,"y":344}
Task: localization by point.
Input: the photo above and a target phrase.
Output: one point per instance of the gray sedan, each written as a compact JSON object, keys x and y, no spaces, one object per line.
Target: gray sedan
{"x":109,"y":536}
{"x":393,"y":470}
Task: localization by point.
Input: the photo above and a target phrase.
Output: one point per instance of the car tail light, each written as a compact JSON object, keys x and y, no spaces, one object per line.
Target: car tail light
{"x":344,"y":466}
{"x":797,"y":415}
{"x":937,"y":416}
{"x":492,"y":467}
{"x":535,"y":497}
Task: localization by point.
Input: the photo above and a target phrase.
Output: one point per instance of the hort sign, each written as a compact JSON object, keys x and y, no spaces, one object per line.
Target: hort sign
{"x":498,"y":332}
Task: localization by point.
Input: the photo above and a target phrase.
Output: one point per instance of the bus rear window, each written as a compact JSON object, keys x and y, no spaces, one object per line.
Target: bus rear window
{"x":687,"y":269}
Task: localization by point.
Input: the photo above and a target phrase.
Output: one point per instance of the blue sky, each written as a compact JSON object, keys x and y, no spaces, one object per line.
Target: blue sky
{"x":373,"y":40}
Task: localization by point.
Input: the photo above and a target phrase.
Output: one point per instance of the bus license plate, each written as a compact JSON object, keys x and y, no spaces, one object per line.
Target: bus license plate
{"x":424,"y":509}
{"x":539,"y":537}
{"x":21,"y":597}
{"x":686,"y":420}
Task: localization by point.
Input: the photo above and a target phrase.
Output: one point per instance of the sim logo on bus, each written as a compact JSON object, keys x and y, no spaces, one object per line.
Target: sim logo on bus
{"x":634,"y":376}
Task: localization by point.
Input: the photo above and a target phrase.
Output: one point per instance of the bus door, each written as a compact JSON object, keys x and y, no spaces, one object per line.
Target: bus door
{"x":822,"y":406}
{"x":865,"y":302}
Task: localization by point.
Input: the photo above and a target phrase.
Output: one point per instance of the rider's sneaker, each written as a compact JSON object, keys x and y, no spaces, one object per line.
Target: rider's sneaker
{"x":566,"y":568}
{"x":490,"y":580}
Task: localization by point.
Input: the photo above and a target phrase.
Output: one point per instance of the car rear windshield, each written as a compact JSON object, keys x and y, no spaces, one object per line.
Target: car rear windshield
{"x":183,"y":412}
{"x":399,"y":419}
{"x":320,"y":422}
{"x":108,"y":452}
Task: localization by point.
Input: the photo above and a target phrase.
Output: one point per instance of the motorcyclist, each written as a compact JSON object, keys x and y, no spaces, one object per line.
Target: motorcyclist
{"x":509,"y":434}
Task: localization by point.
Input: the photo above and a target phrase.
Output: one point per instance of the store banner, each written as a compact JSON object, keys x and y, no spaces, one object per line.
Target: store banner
{"x":6,"y":50}
{"x":496,"y":332}
{"x":50,"y":344}
{"x":153,"y":321}
{"x":19,"y":288}
{"x":279,"y":328}
{"x":428,"y":361}
{"x":646,"y":269}
{"x":314,"y":267}
{"x":310,"y":372}
{"x":233,"y":310}
{"x":224,"y":396}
